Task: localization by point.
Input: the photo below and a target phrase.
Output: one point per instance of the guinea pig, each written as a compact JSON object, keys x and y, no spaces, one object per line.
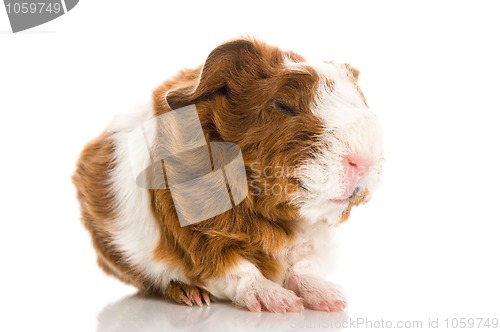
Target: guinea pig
{"x":311,"y":150}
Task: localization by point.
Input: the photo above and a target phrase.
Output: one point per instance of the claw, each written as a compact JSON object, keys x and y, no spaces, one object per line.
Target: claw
{"x":340,"y":305}
{"x":197,"y":299}
{"x":206,"y":297}
{"x":187,"y":301}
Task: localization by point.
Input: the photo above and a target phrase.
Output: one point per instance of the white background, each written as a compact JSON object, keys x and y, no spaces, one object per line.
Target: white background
{"x":426,"y":246}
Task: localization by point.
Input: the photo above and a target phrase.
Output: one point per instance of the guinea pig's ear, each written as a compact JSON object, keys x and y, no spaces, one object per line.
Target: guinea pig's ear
{"x":222,"y":66}
{"x":353,"y":70}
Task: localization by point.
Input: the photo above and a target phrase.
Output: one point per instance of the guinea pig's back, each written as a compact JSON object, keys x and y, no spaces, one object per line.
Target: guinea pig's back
{"x":95,"y":181}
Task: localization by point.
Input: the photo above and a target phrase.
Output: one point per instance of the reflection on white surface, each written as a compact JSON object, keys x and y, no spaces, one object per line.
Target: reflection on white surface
{"x":137,"y":313}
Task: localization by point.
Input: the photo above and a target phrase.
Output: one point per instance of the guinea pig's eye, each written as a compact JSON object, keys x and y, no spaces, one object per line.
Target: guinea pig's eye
{"x":285,"y":108}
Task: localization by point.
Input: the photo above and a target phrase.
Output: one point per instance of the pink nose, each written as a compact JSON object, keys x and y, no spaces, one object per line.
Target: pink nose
{"x":356,"y":168}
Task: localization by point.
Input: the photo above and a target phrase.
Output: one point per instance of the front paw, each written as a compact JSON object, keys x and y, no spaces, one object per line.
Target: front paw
{"x":263,"y":294}
{"x":317,"y":294}
{"x":186,"y":294}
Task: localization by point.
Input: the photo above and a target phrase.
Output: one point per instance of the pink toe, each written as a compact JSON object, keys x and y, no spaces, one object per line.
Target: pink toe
{"x":254,"y":306}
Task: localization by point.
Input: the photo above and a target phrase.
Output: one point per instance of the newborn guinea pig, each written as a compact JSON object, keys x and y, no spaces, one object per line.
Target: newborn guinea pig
{"x":305,"y":149}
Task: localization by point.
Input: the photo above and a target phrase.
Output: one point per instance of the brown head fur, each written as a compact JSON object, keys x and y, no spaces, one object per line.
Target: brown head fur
{"x":244,"y":94}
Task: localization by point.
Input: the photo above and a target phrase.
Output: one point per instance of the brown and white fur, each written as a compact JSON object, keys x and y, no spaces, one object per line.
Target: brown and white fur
{"x":268,"y":253}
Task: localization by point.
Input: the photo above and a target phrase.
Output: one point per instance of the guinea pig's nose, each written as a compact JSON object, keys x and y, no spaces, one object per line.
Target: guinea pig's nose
{"x":355,"y":167}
